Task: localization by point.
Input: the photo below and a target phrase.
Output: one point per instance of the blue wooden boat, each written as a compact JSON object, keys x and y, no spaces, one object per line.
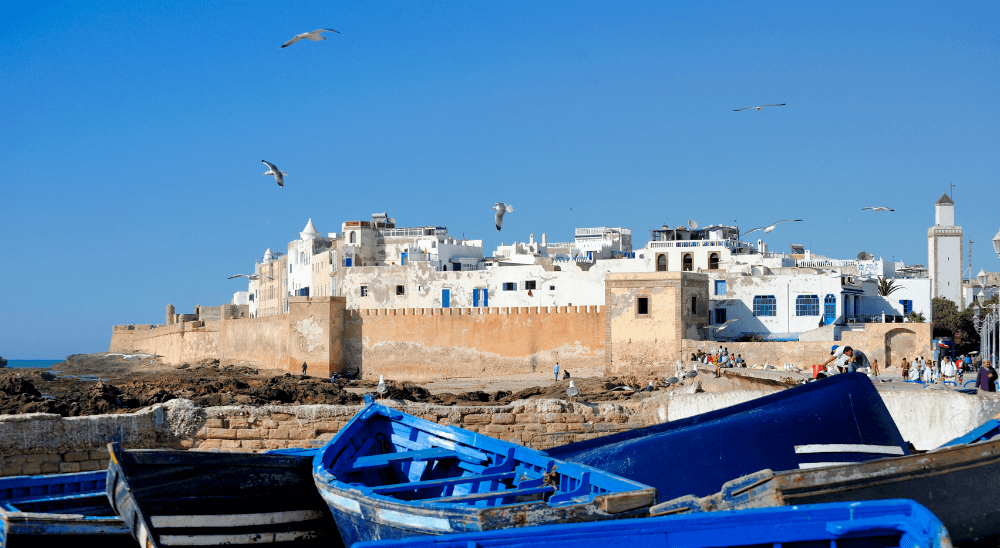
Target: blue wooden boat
{"x":58,"y":509}
{"x":840,"y":419}
{"x":959,"y":483}
{"x":882,"y":524}
{"x":388,"y":474}
{"x":195,"y":498}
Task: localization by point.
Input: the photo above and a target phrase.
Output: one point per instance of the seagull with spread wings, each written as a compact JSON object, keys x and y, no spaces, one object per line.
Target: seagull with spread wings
{"x":760,"y":107}
{"x":314,"y":36}
{"x":278,"y":174}
{"x":770,"y":227}
{"x":501,"y":209}
{"x":880,"y":208}
{"x":250,"y":276}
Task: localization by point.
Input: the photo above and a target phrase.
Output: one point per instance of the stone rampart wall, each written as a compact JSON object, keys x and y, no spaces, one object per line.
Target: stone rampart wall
{"x":263,"y":341}
{"x":420,"y":344}
{"x":42,"y":443}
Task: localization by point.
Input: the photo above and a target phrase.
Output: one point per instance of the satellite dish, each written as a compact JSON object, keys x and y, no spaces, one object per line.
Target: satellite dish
{"x":692,"y":224}
{"x":798,"y":249}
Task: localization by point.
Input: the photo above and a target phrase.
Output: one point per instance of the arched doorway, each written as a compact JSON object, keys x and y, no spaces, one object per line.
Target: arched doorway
{"x":661,"y":263}
{"x":900,"y":342}
{"x":713,"y":261}
{"x":687,"y":263}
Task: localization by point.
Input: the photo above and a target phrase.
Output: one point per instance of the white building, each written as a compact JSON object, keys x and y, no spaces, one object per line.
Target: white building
{"x":944,"y":253}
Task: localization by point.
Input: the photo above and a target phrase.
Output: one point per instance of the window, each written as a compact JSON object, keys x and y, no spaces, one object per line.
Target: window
{"x":400,"y":290}
{"x":364,"y":291}
{"x":720,"y":287}
{"x":694,"y":305}
{"x":907,"y":306}
{"x":552,"y":288}
{"x":642,"y":306}
{"x":530,"y":284}
{"x":807,"y":305}
{"x":661,"y":263}
{"x":720,"y":315}
{"x":830,"y":309}
{"x":713,"y":261}
{"x":510,"y":286}
{"x":764,"y":305}
{"x":687,"y":263}
{"x":354,"y":238}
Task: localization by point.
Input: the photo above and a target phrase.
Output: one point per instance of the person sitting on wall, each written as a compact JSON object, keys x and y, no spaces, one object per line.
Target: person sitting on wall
{"x":739,"y":361}
{"x":915,"y":371}
{"x":856,"y":359}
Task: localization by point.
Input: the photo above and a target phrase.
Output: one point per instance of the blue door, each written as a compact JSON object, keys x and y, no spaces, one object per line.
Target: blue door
{"x":829,"y":309}
{"x":445,"y":298}
{"x":347,"y":261}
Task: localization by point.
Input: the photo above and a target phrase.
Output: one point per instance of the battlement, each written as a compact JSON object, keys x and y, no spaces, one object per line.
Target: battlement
{"x":480,"y":311}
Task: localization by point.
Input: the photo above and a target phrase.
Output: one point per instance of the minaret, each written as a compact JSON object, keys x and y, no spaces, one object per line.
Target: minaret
{"x":944,"y":253}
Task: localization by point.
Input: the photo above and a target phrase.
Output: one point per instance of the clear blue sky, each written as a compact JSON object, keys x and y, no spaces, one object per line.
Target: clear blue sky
{"x":131,"y":134}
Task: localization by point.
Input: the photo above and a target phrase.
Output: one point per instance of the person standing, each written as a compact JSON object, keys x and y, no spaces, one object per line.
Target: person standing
{"x":874,"y":367}
{"x":905,"y":366}
{"x":304,"y":367}
{"x":986,"y":380}
{"x":555,"y":370}
{"x":948,"y":371}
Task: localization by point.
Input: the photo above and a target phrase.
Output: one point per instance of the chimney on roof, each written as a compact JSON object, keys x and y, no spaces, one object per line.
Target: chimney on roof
{"x":531,"y":239}
{"x":543,"y":239}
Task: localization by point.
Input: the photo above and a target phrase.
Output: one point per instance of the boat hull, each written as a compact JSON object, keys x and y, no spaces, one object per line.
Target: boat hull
{"x":389,"y":475}
{"x":58,"y":509}
{"x":191,"y":498}
{"x":839,"y":419}
{"x":957,"y":483}
{"x":882,"y":524}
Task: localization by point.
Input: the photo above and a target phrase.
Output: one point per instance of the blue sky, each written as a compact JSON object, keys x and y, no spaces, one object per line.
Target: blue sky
{"x":131,"y":134}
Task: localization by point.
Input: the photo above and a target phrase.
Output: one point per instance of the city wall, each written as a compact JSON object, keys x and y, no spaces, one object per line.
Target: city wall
{"x":40,"y":443}
{"x":429,"y":343}
{"x":404,"y":343}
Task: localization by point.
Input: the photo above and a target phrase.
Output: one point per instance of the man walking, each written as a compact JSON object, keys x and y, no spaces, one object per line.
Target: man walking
{"x":304,"y":366}
{"x":986,"y":380}
{"x":555,"y":369}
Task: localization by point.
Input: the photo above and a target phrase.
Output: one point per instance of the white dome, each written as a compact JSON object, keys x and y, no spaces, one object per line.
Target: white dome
{"x":268,"y":256}
{"x":309,"y":231}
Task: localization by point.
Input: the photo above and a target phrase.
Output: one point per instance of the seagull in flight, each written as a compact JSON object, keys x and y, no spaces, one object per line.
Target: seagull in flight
{"x":770,"y":227}
{"x":880,"y":208}
{"x":278,"y":174}
{"x":760,"y":107}
{"x":314,"y":36}
{"x":250,"y":276}
{"x":501,"y":209}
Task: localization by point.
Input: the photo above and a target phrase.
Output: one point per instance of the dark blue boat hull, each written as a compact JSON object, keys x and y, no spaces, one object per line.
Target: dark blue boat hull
{"x":841,"y":419}
{"x":58,"y":510}
{"x":880,"y":524}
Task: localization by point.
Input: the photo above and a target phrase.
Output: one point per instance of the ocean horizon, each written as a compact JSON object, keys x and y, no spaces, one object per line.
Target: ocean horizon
{"x":32,"y":363}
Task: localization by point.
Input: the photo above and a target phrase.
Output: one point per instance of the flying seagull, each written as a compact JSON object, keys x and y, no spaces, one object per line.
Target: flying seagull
{"x":770,"y":227}
{"x":760,"y":107}
{"x":501,"y":209}
{"x":250,"y":276}
{"x":314,"y":36}
{"x":880,"y":208}
{"x":278,"y":174}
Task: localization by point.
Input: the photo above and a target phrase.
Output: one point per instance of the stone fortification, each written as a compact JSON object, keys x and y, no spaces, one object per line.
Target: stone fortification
{"x":42,"y":443}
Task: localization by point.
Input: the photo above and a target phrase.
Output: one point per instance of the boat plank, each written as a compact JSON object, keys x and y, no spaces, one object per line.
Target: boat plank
{"x":385,"y":459}
{"x":441,"y":482}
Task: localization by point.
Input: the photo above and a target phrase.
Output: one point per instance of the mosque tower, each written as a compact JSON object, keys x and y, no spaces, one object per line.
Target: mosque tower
{"x":944,"y":253}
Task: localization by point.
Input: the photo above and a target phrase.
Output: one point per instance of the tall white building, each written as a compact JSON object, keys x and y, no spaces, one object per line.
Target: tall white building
{"x":944,"y":253}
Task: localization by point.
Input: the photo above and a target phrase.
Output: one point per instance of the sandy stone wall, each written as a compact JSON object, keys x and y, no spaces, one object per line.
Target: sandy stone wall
{"x":428,"y":343}
{"x":260,"y":340}
{"x":177,"y":343}
{"x":42,"y":443}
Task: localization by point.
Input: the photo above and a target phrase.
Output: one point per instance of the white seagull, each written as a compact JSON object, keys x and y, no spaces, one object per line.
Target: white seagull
{"x":278,"y":174}
{"x":880,"y":208}
{"x":770,"y":227}
{"x":314,"y":36}
{"x":250,"y":276}
{"x":501,"y":209}
{"x":760,"y":107}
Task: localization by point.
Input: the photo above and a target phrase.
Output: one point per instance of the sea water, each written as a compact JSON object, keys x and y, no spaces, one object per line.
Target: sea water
{"x":32,"y":363}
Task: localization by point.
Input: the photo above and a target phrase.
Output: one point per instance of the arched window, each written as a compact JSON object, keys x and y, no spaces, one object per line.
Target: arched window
{"x":688,"y":263}
{"x":661,"y":263}
{"x":713,"y":261}
{"x":354,"y":238}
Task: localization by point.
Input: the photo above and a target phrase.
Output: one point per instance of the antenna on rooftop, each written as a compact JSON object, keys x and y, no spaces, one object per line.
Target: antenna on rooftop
{"x":692,"y":224}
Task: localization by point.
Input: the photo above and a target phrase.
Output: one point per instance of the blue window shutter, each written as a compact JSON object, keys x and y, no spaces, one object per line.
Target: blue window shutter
{"x":475,"y":298}
{"x":445,"y":298}
{"x":347,"y":261}
{"x":486,"y":297}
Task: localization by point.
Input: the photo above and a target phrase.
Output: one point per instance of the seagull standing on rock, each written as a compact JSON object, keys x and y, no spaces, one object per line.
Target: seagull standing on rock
{"x":278,"y":174}
{"x":314,"y":36}
{"x":501,"y":209}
